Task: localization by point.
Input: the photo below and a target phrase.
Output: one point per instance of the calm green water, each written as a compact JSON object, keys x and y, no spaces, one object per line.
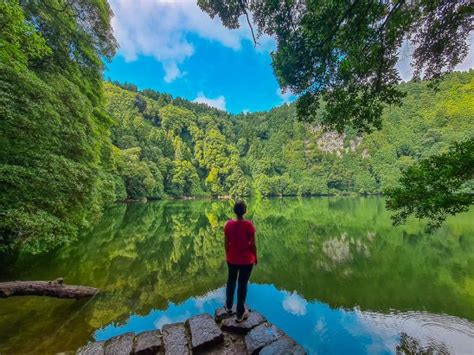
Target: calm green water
{"x":333,"y":273}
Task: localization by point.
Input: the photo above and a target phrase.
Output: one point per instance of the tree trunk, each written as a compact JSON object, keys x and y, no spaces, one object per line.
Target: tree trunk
{"x":45,"y":288}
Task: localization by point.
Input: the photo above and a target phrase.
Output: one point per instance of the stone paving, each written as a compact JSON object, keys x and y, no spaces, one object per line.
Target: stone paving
{"x":203,"y":334}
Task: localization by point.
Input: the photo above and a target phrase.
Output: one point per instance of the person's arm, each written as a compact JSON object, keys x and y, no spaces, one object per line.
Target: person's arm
{"x":253,"y":245}
{"x":226,"y":240}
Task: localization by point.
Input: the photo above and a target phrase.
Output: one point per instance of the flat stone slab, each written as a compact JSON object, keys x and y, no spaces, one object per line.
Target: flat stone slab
{"x":148,"y":343}
{"x":283,"y":346}
{"x":221,"y":314}
{"x":261,"y":336}
{"x":204,"y":332}
{"x":96,"y":348}
{"x":254,"y":319}
{"x":120,"y":345}
{"x":175,"y":340}
{"x":233,"y":345}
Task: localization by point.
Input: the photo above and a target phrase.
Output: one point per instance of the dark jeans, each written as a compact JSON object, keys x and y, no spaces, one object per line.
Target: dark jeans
{"x":243,"y":272}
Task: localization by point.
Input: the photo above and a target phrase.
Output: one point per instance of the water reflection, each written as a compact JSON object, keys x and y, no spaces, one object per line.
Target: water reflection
{"x":322,"y":329}
{"x":332,"y":254}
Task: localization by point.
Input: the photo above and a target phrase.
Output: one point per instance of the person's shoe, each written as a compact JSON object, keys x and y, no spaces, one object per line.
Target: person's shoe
{"x":241,"y":318}
{"x":227,"y":309}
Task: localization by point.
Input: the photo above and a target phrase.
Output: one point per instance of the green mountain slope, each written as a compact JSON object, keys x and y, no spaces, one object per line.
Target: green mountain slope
{"x":170,"y":148}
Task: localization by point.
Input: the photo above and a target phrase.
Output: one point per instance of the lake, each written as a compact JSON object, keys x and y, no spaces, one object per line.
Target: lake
{"x":333,"y":273}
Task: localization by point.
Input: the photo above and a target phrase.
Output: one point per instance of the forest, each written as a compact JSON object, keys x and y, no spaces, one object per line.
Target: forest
{"x":73,"y":144}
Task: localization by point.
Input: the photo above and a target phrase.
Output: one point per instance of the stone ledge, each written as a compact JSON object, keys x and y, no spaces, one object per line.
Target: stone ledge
{"x":120,"y":345}
{"x":254,"y":319}
{"x":96,"y":348}
{"x":175,"y":339}
{"x":204,"y":332}
{"x":148,"y":343}
{"x":202,"y":335}
{"x":283,"y":346}
{"x":261,"y":336}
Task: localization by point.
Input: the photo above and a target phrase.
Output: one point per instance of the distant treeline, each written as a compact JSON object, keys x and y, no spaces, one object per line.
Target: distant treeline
{"x":171,"y":147}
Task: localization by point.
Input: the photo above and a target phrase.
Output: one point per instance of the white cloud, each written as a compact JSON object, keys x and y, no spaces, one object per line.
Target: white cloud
{"x":286,"y":96}
{"x":160,"y":28}
{"x":218,"y":102}
{"x":468,"y":62}
{"x":172,"y":71}
{"x":404,"y":61}
{"x":295,"y":304}
{"x":406,"y":50}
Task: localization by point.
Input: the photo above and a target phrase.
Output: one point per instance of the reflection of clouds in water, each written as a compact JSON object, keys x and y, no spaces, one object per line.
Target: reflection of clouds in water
{"x":294,"y":304}
{"x":216,"y":295}
{"x":441,"y":332}
{"x":320,"y":326}
{"x":164,"y":319}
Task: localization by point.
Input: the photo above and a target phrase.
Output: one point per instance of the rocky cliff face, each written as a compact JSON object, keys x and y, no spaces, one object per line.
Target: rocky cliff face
{"x":336,"y":143}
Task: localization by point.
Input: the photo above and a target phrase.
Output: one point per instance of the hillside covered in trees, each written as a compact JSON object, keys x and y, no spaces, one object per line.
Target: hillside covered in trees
{"x":167,"y":147}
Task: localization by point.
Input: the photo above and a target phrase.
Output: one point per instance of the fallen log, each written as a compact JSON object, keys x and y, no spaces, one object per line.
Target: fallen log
{"x":55,"y":288}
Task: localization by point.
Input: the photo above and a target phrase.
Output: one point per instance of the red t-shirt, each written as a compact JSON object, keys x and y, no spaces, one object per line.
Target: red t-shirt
{"x":240,"y":242}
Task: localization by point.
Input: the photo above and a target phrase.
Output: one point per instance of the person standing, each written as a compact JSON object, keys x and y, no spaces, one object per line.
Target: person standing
{"x":241,"y":255}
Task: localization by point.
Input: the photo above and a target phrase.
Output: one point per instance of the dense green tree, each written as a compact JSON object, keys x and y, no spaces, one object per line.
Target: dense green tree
{"x":56,"y":169}
{"x":436,"y":187}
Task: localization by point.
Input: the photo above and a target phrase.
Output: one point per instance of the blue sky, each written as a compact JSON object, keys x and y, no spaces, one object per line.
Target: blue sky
{"x":173,"y":47}
{"x":242,"y":79}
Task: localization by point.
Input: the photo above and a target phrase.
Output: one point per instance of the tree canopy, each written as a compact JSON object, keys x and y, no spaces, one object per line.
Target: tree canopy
{"x":56,"y":170}
{"x":449,"y":174}
{"x":344,"y":53}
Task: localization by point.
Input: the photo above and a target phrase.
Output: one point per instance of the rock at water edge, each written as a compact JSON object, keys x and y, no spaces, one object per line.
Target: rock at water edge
{"x":175,"y":340}
{"x":221,"y":313}
{"x":283,"y":346}
{"x":231,"y":325}
{"x":204,"y":331}
{"x":233,"y":345}
{"x":96,"y":348}
{"x":122,"y":344}
{"x":261,"y":336}
{"x":148,"y":343}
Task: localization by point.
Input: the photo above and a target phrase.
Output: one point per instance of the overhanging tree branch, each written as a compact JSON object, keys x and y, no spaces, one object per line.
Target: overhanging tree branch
{"x":244,"y":9}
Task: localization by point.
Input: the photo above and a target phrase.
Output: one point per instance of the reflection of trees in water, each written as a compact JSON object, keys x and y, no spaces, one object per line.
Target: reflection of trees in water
{"x":347,"y":253}
{"x":343,"y":252}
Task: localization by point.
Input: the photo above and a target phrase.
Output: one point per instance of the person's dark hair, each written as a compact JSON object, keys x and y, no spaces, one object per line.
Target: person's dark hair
{"x":240,"y":208}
